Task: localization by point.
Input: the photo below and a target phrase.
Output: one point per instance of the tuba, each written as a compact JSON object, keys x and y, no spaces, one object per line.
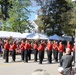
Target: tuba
{"x":10,"y":39}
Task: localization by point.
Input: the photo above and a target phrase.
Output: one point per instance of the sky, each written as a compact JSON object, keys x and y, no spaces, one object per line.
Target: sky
{"x":34,"y":13}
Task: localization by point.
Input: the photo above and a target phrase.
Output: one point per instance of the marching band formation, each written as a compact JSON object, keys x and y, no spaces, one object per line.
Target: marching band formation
{"x":54,"y":49}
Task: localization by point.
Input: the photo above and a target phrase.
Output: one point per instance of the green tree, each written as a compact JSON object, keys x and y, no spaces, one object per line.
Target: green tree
{"x":54,"y":15}
{"x":14,"y":14}
{"x":5,"y":5}
{"x":18,"y":16}
{"x":73,"y":19}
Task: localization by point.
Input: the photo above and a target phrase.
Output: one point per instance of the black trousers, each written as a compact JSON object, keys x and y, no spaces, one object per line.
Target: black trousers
{"x":26,"y":56}
{"x":49,"y":54}
{"x":56,"y":55}
{"x":13,"y":55}
{"x":29,"y":54}
{"x":74,"y":56}
{"x":22,"y":55}
{"x":6,"y":55}
{"x":35,"y":55}
{"x":60,"y":55}
{"x":41,"y":53}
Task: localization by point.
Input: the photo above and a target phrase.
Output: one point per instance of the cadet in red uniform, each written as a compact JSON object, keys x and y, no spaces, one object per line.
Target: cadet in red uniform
{"x":44,"y":44}
{"x":35,"y":47}
{"x":6,"y":47}
{"x":13,"y":48}
{"x":49,"y":51}
{"x":69,"y":46}
{"x":41,"y":52}
{"x":29,"y":51}
{"x":55,"y":47}
{"x":26,"y":47}
{"x":61,"y":50}
{"x":22,"y":49}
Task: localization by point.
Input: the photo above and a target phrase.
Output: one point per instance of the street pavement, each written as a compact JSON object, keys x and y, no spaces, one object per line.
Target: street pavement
{"x":21,"y":68}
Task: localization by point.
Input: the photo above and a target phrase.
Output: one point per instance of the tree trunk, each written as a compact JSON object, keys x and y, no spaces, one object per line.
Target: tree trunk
{"x":4,"y":8}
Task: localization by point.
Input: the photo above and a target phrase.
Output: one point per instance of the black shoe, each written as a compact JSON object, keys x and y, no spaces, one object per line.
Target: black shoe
{"x":35,"y":60}
{"x":25,"y":62}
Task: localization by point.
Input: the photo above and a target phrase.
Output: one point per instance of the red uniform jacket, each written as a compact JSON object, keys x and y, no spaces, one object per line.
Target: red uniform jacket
{"x":49,"y":46}
{"x":69,"y":46}
{"x":7,"y":46}
{"x":41,"y":48}
{"x":22,"y":46}
{"x":61,"y":48}
{"x":30,"y":46}
{"x":35,"y":46}
{"x":13,"y":47}
{"x":55,"y":46}
{"x":43,"y":44}
{"x":26,"y":47}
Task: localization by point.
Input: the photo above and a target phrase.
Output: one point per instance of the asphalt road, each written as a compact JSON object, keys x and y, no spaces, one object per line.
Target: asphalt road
{"x":21,"y":68}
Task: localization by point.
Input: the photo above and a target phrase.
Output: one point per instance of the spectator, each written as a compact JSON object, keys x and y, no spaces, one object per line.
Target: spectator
{"x":0,"y":50}
{"x":66,"y":62}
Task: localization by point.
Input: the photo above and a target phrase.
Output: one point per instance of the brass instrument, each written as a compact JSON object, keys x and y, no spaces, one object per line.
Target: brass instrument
{"x":10,"y":39}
